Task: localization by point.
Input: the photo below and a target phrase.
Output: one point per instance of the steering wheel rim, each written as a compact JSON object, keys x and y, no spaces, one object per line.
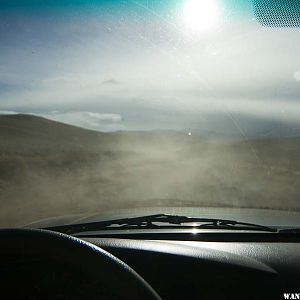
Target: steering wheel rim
{"x":79,"y":254}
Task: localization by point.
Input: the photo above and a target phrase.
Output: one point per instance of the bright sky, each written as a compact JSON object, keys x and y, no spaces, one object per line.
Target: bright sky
{"x":196,"y":65}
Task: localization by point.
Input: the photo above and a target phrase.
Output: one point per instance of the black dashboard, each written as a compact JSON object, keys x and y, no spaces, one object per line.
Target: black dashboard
{"x":211,"y":270}
{"x":176,"y":269}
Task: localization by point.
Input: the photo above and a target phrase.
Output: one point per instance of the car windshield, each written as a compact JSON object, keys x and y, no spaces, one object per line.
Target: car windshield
{"x":110,"y":105}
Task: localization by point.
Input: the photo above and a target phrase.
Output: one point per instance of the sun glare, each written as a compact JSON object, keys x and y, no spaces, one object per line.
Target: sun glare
{"x":200,"y":15}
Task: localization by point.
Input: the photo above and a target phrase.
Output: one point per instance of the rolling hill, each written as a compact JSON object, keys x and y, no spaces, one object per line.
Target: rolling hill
{"x":48,"y":168}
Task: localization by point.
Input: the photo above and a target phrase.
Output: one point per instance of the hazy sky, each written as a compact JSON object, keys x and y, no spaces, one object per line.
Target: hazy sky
{"x":130,"y":65}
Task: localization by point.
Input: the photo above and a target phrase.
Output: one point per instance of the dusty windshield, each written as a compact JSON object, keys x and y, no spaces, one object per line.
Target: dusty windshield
{"x":116,"y":104}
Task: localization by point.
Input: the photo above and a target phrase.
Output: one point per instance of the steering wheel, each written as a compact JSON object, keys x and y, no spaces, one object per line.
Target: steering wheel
{"x":83,"y":256}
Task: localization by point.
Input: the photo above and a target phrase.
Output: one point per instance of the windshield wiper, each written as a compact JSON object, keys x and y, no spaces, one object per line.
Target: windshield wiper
{"x":161,"y":221}
{"x":292,"y":230}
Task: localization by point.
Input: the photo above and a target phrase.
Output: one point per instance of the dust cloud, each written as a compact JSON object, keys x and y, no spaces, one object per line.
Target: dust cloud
{"x":51,"y":178}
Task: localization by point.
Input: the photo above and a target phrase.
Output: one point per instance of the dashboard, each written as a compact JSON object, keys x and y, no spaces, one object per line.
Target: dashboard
{"x":174,"y":269}
{"x":211,"y":270}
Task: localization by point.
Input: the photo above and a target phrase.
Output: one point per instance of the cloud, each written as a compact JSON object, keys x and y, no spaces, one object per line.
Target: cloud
{"x":297,"y":75}
{"x":89,"y":120}
{"x":81,"y":71}
{"x":111,"y":81}
{"x":7,"y":87}
{"x":8,"y":112}
{"x":105,"y":117}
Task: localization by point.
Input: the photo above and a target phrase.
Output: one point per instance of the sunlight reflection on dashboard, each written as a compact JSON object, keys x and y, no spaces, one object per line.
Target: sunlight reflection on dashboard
{"x":194,"y":231}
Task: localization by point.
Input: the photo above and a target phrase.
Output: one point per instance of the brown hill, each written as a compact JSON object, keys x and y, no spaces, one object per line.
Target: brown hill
{"x":48,"y":168}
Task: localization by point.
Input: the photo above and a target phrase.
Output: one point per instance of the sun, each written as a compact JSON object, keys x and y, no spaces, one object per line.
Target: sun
{"x":200,"y":15}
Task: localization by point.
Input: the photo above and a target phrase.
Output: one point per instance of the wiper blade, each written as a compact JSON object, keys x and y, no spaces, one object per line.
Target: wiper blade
{"x":293,"y":230}
{"x":153,"y":221}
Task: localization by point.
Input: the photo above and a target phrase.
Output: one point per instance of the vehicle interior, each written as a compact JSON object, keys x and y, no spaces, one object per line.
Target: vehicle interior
{"x":150,"y":149}
{"x":140,"y":265}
